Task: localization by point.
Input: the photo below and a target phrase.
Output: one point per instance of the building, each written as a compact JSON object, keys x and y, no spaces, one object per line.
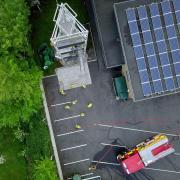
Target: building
{"x":147,"y":34}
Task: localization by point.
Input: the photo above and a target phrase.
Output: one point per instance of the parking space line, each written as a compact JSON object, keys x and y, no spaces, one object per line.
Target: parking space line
{"x":84,"y":175}
{"x":101,"y":162}
{"x":49,"y":76}
{"x":178,"y":154}
{"x":89,"y":174}
{"x":94,"y":60}
{"x":74,"y":147}
{"x":163,"y":170}
{"x":92,"y":177}
{"x":70,"y":117}
{"x":105,"y":144}
{"x":60,"y":104}
{"x":74,"y":162}
{"x":139,"y":130}
{"x":72,"y":132}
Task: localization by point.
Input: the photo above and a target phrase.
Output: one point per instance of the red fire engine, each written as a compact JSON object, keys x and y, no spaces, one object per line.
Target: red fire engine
{"x":145,"y":153}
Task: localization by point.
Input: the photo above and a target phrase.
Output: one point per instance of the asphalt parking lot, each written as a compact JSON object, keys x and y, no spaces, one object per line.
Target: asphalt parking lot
{"x":107,"y":126}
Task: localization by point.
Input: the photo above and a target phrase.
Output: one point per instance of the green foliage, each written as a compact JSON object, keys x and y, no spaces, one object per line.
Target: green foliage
{"x":37,"y":141}
{"x":14,"y":27}
{"x":20,"y":94}
{"x":44,"y":170}
{"x":15,"y":165}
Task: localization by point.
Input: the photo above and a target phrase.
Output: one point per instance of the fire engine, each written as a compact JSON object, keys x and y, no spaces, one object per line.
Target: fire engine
{"x":145,"y":153}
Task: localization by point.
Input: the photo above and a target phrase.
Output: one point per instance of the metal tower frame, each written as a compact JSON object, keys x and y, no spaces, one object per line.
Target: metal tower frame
{"x":69,"y":37}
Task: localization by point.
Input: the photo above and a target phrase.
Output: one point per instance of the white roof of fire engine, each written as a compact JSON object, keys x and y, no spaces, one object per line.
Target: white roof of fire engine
{"x":148,"y":157}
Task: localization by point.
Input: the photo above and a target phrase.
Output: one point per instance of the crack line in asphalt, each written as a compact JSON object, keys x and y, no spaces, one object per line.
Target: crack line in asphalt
{"x":154,"y":169}
{"x":74,"y":162}
{"x":101,"y":162}
{"x":131,"y":129}
{"x":163,"y":170}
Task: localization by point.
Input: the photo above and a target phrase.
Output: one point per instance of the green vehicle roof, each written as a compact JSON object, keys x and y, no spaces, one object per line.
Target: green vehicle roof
{"x":121,"y":87}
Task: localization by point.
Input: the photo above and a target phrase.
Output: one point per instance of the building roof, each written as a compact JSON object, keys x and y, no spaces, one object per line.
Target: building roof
{"x":158,"y":87}
{"x":107,"y":32}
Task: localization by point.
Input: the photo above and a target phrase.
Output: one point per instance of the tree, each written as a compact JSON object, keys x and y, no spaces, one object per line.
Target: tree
{"x":45,"y":169}
{"x":14,"y":27}
{"x":20,"y":94}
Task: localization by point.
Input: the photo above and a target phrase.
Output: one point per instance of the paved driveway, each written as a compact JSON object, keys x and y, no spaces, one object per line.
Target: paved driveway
{"x":109,"y":125}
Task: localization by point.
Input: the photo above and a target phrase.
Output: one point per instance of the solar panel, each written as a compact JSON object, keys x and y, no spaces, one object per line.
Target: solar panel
{"x":136,"y":39}
{"x":176,"y":56}
{"x":158,"y":88}
{"x":174,"y":44}
{"x":152,"y":61}
{"x":171,"y":31}
{"x":169,"y":84}
{"x":149,"y":49}
{"x":155,"y":74}
{"x":177,"y":68}
{"x":154,"y":9}
{"x":164,"y":59}
{"x":178,"y":18}
{"x":144,"y":76}
{"x":142,"y":12}
{"x":138,"y":52}
{"x":178,"y":80}
{"x":156,"y":21}
{"x":131,"y":16}
{"x":159,"y":34}
{"x":147,"y":37}
{"x":133,"y":27}
{"x":146,"y":87}
{"x":153,"y":56}
{"x":172,"y":35}
{"x":144,"y":25}
{"x":166,"y":7}
{"x":161,"y":46}
{"x":176,"y":5}
{"x":141,"y":64}
{"x":167,"y":71}
{"x":177,"y":11}
{"x":168,"y":18}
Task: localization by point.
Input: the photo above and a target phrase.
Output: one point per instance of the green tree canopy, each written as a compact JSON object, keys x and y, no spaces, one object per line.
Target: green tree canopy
{"x":14,"y":27}
{"x":44,"y":170}
{"x":19,"y":86}
{"x":20,"y":96}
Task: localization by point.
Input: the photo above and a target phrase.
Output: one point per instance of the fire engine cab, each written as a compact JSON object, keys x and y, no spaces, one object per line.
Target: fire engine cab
{"x":145,"y":153}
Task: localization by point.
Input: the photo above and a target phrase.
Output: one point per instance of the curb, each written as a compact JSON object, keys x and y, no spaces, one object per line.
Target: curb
{"x":51,"y":133}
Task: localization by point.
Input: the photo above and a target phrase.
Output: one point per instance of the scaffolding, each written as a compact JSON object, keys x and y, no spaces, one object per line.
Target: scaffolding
{"x":69,"y":39}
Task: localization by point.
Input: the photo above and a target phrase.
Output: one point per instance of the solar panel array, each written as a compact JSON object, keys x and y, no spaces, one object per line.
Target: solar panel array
{"x":155,"y":32}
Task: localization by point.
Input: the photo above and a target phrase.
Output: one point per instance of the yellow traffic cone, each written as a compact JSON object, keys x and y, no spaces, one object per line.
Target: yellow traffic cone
{"x":91,"y":168}
{"x":67,"y":107}
{"x":84,"y":86}
{"x":74,"y":102}
{"x":78,"y":126}
{"x":89,"y":105}
{"x":62,"y":92}
{"x":82,"y":114}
